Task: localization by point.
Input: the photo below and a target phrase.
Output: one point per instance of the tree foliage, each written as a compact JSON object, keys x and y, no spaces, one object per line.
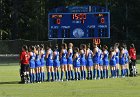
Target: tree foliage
{"x":27,"y":19}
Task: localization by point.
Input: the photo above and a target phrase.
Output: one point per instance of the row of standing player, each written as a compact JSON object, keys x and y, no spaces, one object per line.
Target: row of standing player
{"x":85,"y":59}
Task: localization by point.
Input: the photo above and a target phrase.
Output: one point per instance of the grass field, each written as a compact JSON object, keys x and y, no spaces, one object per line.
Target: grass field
{"x":119,"y":87}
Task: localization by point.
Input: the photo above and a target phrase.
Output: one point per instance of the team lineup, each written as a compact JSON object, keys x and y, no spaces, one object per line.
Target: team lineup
{"x":75,"y":63}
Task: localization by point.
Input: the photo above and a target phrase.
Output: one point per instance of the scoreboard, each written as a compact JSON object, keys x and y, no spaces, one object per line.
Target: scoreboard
{"x":79,"y":25}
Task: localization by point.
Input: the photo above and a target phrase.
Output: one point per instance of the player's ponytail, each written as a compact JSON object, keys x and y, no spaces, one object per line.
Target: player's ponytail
{"x":37,"y":49}
{"x":25,"y":48}
{"x":76,"y":49}
{"x":32,"y":48}
{"x":88,"y":46}
{"x":133,"y":46}
{"x":42,"y":46}
{"x":105,"y":46}
{"x":64,"y":46}
{"x":56,"y":47}
{"x":70,"y":45}
{"x":116,"y":45}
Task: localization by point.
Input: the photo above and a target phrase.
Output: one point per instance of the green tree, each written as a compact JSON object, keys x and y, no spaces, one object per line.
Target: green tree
{"x":28,"y":19}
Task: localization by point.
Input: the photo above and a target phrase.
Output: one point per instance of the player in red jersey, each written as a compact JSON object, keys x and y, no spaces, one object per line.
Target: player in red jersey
{"x":132,"y":55}
{"x":24,"y":64}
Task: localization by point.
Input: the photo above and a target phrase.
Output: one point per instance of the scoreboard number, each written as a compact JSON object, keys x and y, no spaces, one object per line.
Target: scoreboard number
{"x":102,"y":20}
{"x":79,"y":16}
{"x":58,"y":21}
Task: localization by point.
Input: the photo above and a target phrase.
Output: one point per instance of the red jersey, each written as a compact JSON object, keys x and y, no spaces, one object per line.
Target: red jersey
{"x":24,"y":57}
{"x":132,"y":53}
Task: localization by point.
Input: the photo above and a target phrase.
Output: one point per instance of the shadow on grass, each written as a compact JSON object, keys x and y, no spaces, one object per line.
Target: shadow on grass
{"x":12,"y":82}
{"x":138,"y":74}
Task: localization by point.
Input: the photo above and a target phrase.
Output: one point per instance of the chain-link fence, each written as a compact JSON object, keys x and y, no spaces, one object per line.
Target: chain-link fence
{"x":14,"y":46}
{"x":10,"y":49}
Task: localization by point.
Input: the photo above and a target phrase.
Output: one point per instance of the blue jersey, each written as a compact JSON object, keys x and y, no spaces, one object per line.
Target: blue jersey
{"x":122,"y":59}
{"x":113,"y":60}
{"x":70,"y":60}
{"x":89,"y":58}
{"x":117,"y":56}
{"x":105,"y":58}
{"x":37,"y":60}
{"x":126,"y":56}
{"x":100,"y":57}
{"x":32,"y":60}
{"x":96,"y":57}
{"x":83,"y":58}
{"x":64,"y":57}
{"x":77,"y":61}
{"x":56,"y":59}
{"x":43,"y":59}
{"x":50,"y":58}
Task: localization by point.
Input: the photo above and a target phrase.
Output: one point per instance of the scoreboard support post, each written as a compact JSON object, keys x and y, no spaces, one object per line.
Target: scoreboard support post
{"x":63,"y":40}
{"x":56,"y":41}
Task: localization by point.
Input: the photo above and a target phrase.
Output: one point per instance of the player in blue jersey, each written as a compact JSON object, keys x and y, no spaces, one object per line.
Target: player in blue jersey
{"x":63,"y":61}
{"x":83,"y":61}
{"x":89,"y":55}
{"x":96,"y":62}
{"x":116,"y":46}
{"x":101,"y":61}
{"x":126,"y":59}
{"x":76,"y":63}
{"x":105,"y":62}
{"x":56,"y":63}
{"x":38,"y":64}
{"x":70,"y":61}
{"x":113,"y":62}
{"x":42,"y":52}
{"x":49,"y":63}
{"x":32,"y":64}
{"x":122,"y":61}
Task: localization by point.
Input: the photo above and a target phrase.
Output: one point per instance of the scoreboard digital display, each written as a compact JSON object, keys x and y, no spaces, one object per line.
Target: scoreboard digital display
{"x":79,"y":25}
